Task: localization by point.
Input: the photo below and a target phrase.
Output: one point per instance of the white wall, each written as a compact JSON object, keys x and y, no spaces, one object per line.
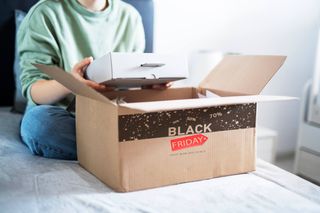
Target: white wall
{"x":286,"y":27}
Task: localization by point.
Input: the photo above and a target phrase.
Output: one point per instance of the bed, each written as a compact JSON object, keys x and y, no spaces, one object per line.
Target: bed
{"x":34,"y":184}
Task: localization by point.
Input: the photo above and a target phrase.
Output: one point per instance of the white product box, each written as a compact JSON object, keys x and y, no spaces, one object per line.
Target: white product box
{"x":137,"y":69}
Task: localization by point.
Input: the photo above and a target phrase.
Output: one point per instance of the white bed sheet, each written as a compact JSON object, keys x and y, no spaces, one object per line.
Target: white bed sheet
{"x":34,"y":184}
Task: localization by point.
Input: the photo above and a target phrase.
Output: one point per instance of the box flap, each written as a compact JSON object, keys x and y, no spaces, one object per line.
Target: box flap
{"x":71,"y":83}
{"x":156,"y":106}
{"x":246,"y":75}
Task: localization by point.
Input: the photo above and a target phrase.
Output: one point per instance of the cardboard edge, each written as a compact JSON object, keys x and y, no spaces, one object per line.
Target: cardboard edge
{"x":203,"y":88}
{"x":167,"y":105}
{"x":126,"y":190}
{"x":222,"y":93}
{"x":90,"y":113}
{"x":123,"y":110}
{"x":74,"y":85}
{"x":283,"y":59}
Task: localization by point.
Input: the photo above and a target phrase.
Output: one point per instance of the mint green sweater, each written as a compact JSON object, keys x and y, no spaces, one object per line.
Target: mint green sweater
{"x":62,"y":32}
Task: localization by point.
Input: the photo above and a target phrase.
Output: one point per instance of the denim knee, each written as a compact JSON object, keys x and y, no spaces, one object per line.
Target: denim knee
{"x":49,"y":131}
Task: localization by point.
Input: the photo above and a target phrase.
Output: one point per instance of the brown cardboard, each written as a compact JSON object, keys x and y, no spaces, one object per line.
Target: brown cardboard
{"x":242,"y":75}
{"x":71,"y":83}
{"x":148,"y":163}
{"x":163,"y":137}
{"x":145,"y":95}
{"x":97,"y":146}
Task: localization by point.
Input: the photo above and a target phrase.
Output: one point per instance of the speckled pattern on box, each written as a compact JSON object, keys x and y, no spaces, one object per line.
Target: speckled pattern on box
{"x":186,"y":122}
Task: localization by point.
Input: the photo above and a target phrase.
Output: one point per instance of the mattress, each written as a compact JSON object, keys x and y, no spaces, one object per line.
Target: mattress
{"x":34,"y":184}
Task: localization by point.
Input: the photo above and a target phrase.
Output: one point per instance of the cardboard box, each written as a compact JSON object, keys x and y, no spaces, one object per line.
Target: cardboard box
{"x":137,"y":69}
{"x":172,"y":136}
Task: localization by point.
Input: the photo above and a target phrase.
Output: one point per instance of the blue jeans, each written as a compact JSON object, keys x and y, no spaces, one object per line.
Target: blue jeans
{"x":49,"y":131}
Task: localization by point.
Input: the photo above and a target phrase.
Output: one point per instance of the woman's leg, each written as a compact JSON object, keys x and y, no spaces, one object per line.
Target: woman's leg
{"x":49,"y":131}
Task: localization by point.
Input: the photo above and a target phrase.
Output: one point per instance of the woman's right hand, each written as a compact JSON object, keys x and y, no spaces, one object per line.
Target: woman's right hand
{"x":78,"y":72}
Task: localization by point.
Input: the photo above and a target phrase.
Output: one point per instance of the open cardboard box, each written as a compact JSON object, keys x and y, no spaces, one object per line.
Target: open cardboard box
{"x":172,"y":136}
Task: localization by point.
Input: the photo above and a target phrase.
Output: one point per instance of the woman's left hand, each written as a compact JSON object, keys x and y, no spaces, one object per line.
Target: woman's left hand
{"x":158,"y":86}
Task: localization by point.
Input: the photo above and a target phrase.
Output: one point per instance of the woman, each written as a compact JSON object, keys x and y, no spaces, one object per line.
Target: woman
{"x":65,"y":33}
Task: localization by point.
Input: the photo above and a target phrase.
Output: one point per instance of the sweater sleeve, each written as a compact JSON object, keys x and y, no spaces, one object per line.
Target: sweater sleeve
{"x":139,"y":36}
{"x":36,"y":44}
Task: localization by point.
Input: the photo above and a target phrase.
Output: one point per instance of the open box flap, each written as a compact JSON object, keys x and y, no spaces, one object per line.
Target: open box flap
{"x":156,"y":106}
{"x":246,"y":75}
{"x":71,"y":83}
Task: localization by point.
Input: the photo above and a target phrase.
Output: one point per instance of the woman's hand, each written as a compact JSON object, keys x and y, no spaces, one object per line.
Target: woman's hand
{"x":158,"y":86}
{"x":78,"y":72}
